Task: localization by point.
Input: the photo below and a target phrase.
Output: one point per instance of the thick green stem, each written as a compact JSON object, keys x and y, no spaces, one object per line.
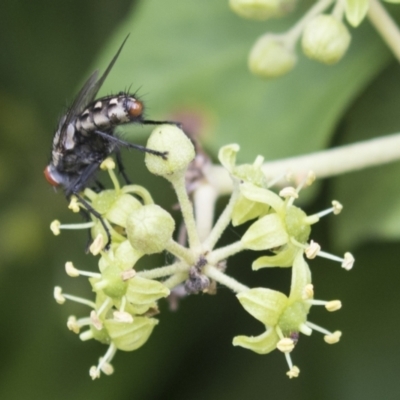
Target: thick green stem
{"x":223,"y":221}
{"x":220,"y":277}
{"x":224,"y":252}
{"x":325,"y":164}
{"x":187,"y":211}
{"x":385,"y":25}
{"x":160,"y":272}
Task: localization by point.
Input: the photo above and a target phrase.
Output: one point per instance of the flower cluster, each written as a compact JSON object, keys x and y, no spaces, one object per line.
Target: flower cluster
{"x":324,"y":36}
{"x":132,"y":226}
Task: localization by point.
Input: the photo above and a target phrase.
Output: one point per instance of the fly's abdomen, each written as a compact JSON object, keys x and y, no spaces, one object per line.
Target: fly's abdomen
{"x":107,"y":112}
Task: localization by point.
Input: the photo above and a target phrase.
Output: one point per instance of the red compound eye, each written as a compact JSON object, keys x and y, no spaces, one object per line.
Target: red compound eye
{"x":49,"y":177}
{"x":135,"y":108}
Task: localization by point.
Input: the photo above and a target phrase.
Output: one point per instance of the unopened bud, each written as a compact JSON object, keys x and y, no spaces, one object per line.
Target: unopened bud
{"x":270,"y":58}
{"x":150,"y":228}
{"x":261,"y":9}
{"x":325,"y":39}
{"x":176,"y":147}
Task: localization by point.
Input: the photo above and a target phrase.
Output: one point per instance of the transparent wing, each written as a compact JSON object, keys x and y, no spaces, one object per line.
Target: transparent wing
{"x":85,"y":96}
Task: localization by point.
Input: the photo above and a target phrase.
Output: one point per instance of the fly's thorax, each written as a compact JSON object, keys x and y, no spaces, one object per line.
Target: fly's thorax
{"x":107,"y":112}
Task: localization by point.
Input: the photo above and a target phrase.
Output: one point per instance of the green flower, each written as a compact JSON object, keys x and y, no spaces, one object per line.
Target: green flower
{"x":284,"y":317}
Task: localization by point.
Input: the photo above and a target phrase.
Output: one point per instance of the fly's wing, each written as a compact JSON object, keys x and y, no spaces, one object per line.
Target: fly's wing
{"x":96,"y":87}
{"x":85,"y":96}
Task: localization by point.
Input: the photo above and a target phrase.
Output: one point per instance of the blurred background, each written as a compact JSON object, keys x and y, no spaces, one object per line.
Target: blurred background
{"x":189,"y":59}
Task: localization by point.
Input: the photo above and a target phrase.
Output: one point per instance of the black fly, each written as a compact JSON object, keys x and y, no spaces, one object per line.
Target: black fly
{"x":85,"y":136}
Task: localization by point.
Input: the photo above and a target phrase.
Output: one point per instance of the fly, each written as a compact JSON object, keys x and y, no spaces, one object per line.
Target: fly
{"x":85,"y":136}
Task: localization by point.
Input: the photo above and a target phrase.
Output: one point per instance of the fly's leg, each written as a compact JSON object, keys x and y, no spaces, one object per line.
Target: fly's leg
{"x":121,"y":166}
{"x":92,"y":211}
{"x":120,"y":142}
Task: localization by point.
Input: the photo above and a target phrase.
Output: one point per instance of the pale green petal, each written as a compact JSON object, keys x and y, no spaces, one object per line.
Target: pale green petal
{"x":261,"y":344}
{"x":356,"y":10}
{"x":120,"y":209}
{"x":142,"y":291}
{"x":130,"y":336}
{"x":261,"y":195}
{"x":265,"y":305}
{"x":127,"y":255}
{"x":227,"y":156}
{"x":266,"y":233}
{"x":301,"y":276}
{"x":284,"y":258}
{"x":246,"y":210}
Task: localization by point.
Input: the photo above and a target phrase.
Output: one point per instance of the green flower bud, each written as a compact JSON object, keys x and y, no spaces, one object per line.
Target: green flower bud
{"x":261,"y":9}
{"x":179,"y":151}
{"x":271,"y":58}
{"x":149,"y":229}
{"x":130,"y":336}
{"x":325,"y":39}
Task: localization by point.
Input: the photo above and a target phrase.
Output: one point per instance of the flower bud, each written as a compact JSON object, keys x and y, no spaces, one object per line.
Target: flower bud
{"x":325,"y":39}
{"x":271,"y":58}
{"x":179,"y":151}
{"x":261,"y":9}
{"x":150,"y":228}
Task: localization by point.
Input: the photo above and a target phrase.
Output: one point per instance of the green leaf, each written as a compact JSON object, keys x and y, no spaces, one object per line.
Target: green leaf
{"x":191,"y":57}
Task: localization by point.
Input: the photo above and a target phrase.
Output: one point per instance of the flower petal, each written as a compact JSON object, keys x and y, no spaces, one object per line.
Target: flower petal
{"x":266,"y":305}
{"x":261,"y":344}
{"x":266,"y":233}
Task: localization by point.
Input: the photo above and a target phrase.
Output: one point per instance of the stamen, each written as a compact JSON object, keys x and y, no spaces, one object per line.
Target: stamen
{"x":96,"y":320}
{"x":61,"y":297}
{"x":285,"y":345}
{"x":95,"y":371}
{"x":331,"y":306}
{"x":123,"y":316}
{"x":308,"y":291}
{"x":72,"y":324}
{"x":329,"y":336}
{"x":347,"y":261}
{"x":73,"y":272}
{"x":55,"y":227}
{"x":333,"y":338}
{"x":128,"y":274}
{"x":293,"y":372}
{"x":305,"y":330}
{"x":97,"y":245}
{"x":74,"y":205}
{"x":103,"y":306}
{"x":75,"y":325}
{"x":337,"y":207}
{"x":107,"y":368}
{"x":87,"y":335}
{"x":289,"y":191}
{"x":258,"y":162}
{"x":109,"y":165}
{"x":312,"y":250}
